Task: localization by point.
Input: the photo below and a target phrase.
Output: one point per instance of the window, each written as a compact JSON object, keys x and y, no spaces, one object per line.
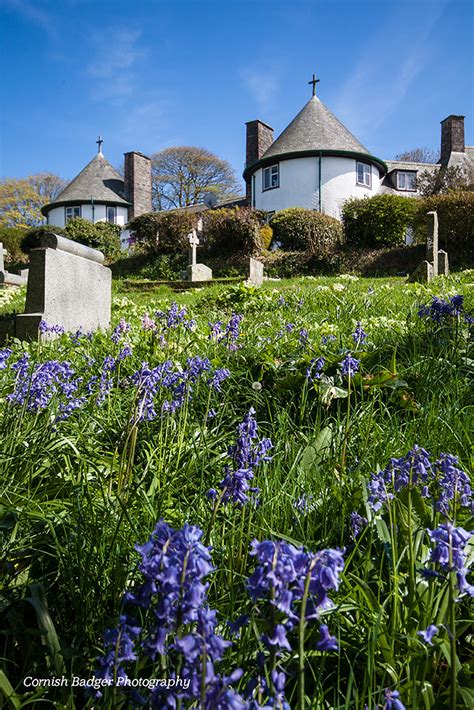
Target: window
{"x":72,"y":213}
{"x":364,"y":174}
{"x":268,"y":216}
{"x":271,"y":177}
{"x":111,"y":214}
{"x":406,"y":181}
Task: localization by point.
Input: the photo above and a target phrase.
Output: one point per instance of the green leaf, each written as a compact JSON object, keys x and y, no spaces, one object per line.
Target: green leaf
{"x":7,"y":691}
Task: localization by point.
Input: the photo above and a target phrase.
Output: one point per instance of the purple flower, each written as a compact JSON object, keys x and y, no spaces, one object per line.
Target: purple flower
{"x":349,"y":366}
{"x":126,"y":351}
{"x":359,"y":336}
{"x":439,"y":309}
{"x":358,"y":523}
{"x":392,"y":701}
{"x":428,"y":633}
{"x":36,"y":388}
{"x":106,"y":379}
{"x":174,"y":317}
{"x":448,"y":553}
{"x":45,"y":328}
{"x":327,"y":339}
{"x":120,"y":329}
{"x":313,"y":371}
{"x":4,"y":355}
{"x":326,"y":642}
{"x":218,"y":378}
{"x":119,"y":646}
{"x":303,"y":336}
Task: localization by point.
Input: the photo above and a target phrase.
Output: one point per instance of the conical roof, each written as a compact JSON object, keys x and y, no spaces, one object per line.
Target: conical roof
{"x":98,"y":181}
{"x":315,"y":128}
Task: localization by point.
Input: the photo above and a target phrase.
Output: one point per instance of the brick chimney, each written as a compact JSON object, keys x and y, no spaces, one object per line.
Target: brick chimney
{"x":259,"y":139}
{"x":137,"y":183}
{"x":452,"y":137}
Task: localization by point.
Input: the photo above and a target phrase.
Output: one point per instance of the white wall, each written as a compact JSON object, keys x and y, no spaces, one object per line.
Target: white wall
{"x":56,"y":216}
{"x":299,"y":185}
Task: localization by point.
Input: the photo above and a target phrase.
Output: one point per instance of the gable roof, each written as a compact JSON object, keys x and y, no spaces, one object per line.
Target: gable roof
{"x":98,"y":181}
{"x":315,"y":128}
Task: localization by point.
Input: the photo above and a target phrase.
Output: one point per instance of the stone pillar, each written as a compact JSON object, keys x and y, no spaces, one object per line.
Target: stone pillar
{"x":259,"y":139}
{"x":137,"y":183}
{"x":432,"y":241}
{"x":452,"y":137}
{"x":443,"y":263}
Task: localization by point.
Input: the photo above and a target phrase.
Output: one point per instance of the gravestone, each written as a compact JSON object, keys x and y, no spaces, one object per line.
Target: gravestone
{"x":6,"y":278}
{"x":195,"y":271}
{"x":255,"y":277}
{"x":422,"y":274}
{"x":68,"y":285}
{"x":432,"y":241}
{"x":443,"y":263}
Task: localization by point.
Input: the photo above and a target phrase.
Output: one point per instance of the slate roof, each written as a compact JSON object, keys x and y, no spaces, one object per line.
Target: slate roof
{"x":408,"y":165}
{"x":315,"y":128}
{"x":98,"y":181}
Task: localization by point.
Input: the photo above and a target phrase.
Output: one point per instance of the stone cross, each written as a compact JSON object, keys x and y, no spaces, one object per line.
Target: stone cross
{"x":314,"y":81}
{"x":194,"y":243}
{"x":3,"y":253}
{"x":99,"y":142}
{"x":432,"y":242}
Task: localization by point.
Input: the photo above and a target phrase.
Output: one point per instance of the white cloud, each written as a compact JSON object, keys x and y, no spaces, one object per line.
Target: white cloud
{"x":34,"y":14}
{"x":263,"y":86}
{"x":114,"y":68}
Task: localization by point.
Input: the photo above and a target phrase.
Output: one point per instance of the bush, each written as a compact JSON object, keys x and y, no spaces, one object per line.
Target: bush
{"x":11,"y":238}
{"x":266,"y":236}
{"x":377,"y":221}
{"x":162,"y":232}
{"x":299,"y":229}
{"x":235,"y":230}
{"x":456,"y":224}
{"x":102,"y":236}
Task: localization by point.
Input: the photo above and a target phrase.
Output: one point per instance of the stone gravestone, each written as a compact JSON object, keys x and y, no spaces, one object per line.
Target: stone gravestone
{"x":68,"y":285}
{"x":443,"y":263}
{"x":195,"y":271}
{"x":432,"y":242}
{"x":6,"y":278}
{"x":255,"y":272}
{"x":436,"y":259}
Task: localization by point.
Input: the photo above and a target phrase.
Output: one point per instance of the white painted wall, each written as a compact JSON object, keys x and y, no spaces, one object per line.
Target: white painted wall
{"x":299,"y":185}
{"x":56,"y":216}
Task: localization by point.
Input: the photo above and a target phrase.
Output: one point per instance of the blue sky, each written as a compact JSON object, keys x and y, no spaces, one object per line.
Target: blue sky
{"x":148,"y":74}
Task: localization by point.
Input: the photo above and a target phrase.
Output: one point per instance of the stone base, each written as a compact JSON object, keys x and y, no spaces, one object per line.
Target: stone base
{"x":199,"y":272}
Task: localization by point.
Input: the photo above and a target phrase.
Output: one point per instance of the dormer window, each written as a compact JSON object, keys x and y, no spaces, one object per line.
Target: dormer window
{"x":364,"y":174}
{"x":271,"y":177}
{"x":406,"y":180}
{"x":72,"y":213}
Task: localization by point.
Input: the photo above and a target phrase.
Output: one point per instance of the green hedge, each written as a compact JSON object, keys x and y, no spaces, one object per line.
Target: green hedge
{"x":299,"y":229}
{"x":102,"y":235}
{"x":456,"y":224}
{"x":162,"y":232}
{"x":11,"y":238}
{"x":378,"y":221}
{"x":235,"y":230}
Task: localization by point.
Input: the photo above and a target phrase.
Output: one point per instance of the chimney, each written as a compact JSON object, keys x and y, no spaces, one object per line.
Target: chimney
{"x":137,"y":183}
{"x":259,"y":139}
{"x":452,"y":137}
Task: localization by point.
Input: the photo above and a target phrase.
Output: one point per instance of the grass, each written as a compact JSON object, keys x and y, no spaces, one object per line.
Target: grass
{"x":78,"y":493}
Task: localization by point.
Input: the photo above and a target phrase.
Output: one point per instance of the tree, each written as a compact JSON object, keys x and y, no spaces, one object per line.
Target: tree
{"x":21,"y":199}
{"x":446,"y":179}
{"x":182,"y":175}
{"x":419,"y":155}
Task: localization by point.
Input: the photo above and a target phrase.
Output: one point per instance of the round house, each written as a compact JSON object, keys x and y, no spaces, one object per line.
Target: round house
{"x":315,"y":163}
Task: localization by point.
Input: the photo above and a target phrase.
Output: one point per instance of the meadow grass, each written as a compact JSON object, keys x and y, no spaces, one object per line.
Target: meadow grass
{"x":95,"y":452}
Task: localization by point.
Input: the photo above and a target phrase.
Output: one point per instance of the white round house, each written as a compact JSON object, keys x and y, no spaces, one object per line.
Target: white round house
{"x":315,"y":163}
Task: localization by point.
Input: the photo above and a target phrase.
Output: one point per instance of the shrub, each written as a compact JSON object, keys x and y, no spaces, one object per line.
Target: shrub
{"x":235,"y":230}
{"x":456,"y":223}
{"x":266,"y":236}
{"x":11,"y":238}
{"x":162,"y":232}
{"x":102,"y":236}
{"x":299,"y":229}
{"x":377,"y":221}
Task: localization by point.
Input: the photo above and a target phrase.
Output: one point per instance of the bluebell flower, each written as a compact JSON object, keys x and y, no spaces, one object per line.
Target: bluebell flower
{"x":4,"y":355}
{"x":218,"y":378}
{"x":120,"y":329}
{"x":392,"y":701}
{"x":126,"y":351}
{"x":427,"y":634}
{"x":313,"y":371}
{"x":349,"y":365}
{"x":106,"y":380}
{"x":440,"y":310}
{"x":358,"y":523}
{"x":328,"y":339}
{"x":326,"y":641}
{"x":303,"y":336}
{"x":359,"y":336}
{"x":44,"y":328}
{"x":448,"y":552}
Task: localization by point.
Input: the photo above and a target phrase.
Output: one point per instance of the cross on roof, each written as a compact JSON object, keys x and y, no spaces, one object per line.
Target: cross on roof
{"x":99,"y":142}
{"x":314,"y":81}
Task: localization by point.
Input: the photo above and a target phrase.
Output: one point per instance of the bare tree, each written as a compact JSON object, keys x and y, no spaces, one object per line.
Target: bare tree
{"x":182,"y":175}
{"x":47,"y":185}
{"x":21,"y":199}
{"x":419,"y":155}
{"x":436,"y":182}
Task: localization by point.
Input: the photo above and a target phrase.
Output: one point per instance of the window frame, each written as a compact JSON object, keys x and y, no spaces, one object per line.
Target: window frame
{"x":366,"y":172}
{"x":411,"y":173}
{"x":107,"y":208}
{"x":268,"y":170}
{"x":73,"y":216}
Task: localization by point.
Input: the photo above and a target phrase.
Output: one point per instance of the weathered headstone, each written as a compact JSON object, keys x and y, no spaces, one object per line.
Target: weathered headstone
{"x":68,"y":285}
{"x":255,"y":277}
{"x":195,"y":271}
{"x":6,"y":278}
{"x":443,"y":263}
{"x":422,"y":274}
{"x":432,"y":241}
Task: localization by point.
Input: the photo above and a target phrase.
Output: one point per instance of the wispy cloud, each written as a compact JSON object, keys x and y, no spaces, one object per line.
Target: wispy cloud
{"x":34,"y":13}
{"x":114,"y":67}
{"x":386,"y":71}
{"x":262,"y":85}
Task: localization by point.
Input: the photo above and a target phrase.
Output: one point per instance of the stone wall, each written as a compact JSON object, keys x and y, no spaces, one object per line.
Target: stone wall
{"x":452,"y":137}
